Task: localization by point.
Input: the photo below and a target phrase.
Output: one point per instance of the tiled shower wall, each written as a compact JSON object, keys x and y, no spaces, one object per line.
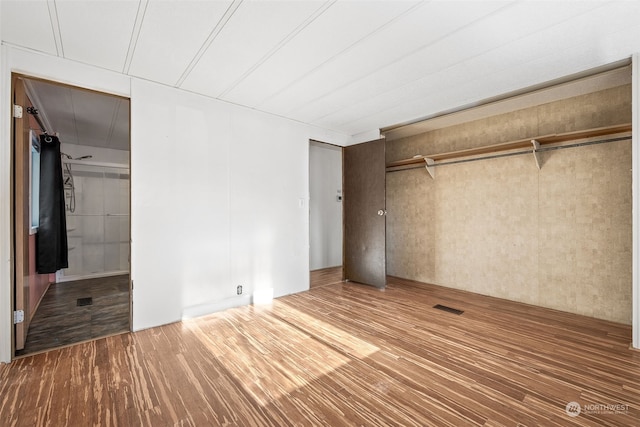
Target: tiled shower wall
{"x":559,"y":237}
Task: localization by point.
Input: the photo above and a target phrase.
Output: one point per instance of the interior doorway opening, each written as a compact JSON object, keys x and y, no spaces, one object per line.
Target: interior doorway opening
{"x":89,"y":296}
{"x":325,"y":213}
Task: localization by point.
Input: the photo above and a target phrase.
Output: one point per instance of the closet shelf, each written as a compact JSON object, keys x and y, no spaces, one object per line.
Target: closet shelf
{"x":534,"y":144}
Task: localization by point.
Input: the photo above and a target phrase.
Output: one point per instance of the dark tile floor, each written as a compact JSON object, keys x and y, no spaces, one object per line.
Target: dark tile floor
{"x":60,"y":321}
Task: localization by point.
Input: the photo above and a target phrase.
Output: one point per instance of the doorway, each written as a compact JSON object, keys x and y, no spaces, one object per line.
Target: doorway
{"x":90,"y":296}
{"x":325,"y":213}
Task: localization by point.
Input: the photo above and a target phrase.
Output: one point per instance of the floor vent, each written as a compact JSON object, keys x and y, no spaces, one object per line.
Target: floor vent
{"x":84,"y":301}
{"x":449,"y":309}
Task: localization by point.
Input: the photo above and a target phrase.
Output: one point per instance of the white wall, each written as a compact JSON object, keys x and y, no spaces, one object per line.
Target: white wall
{"x":325,"y":216}
{"x":219,"y":195}
{"x":219,"y":199}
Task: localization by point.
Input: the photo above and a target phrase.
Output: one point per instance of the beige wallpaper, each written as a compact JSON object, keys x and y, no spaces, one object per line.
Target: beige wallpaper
{"x":559,"y":237}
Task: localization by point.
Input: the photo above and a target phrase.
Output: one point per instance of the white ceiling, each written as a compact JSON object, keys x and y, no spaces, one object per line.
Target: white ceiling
{"x":351,"y":66}
{"x":81,"y":116}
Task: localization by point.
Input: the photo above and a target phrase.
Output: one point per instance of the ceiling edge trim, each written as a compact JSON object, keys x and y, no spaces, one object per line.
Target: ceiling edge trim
{"x":610,"y":75}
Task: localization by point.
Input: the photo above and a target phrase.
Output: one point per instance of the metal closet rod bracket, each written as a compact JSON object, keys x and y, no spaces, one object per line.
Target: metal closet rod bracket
{"x":536,"y":154}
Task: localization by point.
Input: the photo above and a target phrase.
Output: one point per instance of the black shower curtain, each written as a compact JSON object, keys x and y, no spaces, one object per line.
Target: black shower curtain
{"x":51,"y":240}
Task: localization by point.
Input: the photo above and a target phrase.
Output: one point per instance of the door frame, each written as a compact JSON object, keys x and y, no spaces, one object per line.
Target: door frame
{"x":339,"y":148}
{"x":330,"y":276}
{"x":19,"y":239}
{"x":16,"y":210}
{"x":52,"y":68}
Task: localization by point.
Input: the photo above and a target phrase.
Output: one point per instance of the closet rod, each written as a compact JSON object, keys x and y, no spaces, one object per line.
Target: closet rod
{"x":519,"y":153}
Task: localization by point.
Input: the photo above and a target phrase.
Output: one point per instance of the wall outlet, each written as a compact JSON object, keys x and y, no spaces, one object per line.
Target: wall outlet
{"x":239,"y":290}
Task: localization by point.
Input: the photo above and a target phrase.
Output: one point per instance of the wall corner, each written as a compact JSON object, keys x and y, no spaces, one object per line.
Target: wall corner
{"x":635,"y":170}
{"x":6,"y":306}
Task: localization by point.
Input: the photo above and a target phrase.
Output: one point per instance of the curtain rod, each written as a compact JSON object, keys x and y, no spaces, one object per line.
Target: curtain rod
{"x":519,"y":153}
{"x":96,"y":164}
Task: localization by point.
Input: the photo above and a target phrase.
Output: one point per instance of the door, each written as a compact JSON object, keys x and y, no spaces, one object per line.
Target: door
{"x":20,"y":212}
{"x":364,"y":213}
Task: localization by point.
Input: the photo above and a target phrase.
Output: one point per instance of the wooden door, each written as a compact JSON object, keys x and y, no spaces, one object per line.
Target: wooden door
{"x":20,"y":211}
{"x":364,"y":213}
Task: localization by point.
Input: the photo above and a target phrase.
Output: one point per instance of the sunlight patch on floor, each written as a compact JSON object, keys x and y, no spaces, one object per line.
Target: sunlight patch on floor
{"x":267,"y":364}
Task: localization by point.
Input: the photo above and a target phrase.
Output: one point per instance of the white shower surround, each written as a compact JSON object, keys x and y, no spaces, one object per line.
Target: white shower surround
{"x":98,"y":231}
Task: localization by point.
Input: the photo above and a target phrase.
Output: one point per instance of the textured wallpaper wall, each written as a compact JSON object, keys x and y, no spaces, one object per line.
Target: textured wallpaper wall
{"x":559,"y":237}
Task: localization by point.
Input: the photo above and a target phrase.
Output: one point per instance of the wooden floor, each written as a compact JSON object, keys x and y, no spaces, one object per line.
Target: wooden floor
{"x":59,"y":321}
{"x":325,"y":276}
{"x":340,"y":355}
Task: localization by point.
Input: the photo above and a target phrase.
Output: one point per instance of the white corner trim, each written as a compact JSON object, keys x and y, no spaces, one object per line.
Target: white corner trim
{"x":5,"y":208}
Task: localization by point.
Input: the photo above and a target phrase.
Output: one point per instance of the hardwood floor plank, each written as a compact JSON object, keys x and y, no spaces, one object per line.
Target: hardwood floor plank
{"x":326,"y":276}
{"x":340,"y":354}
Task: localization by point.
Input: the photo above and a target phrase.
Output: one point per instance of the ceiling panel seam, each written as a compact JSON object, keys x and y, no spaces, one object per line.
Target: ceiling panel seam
{"x":343,"y":51}
{"x":55,"y":27}
{"x":322,"y":9}
{"x":135,"y":34}
{"x":385,"y":107}
{"x":212,"y":36}
{"x":402,"y":58}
